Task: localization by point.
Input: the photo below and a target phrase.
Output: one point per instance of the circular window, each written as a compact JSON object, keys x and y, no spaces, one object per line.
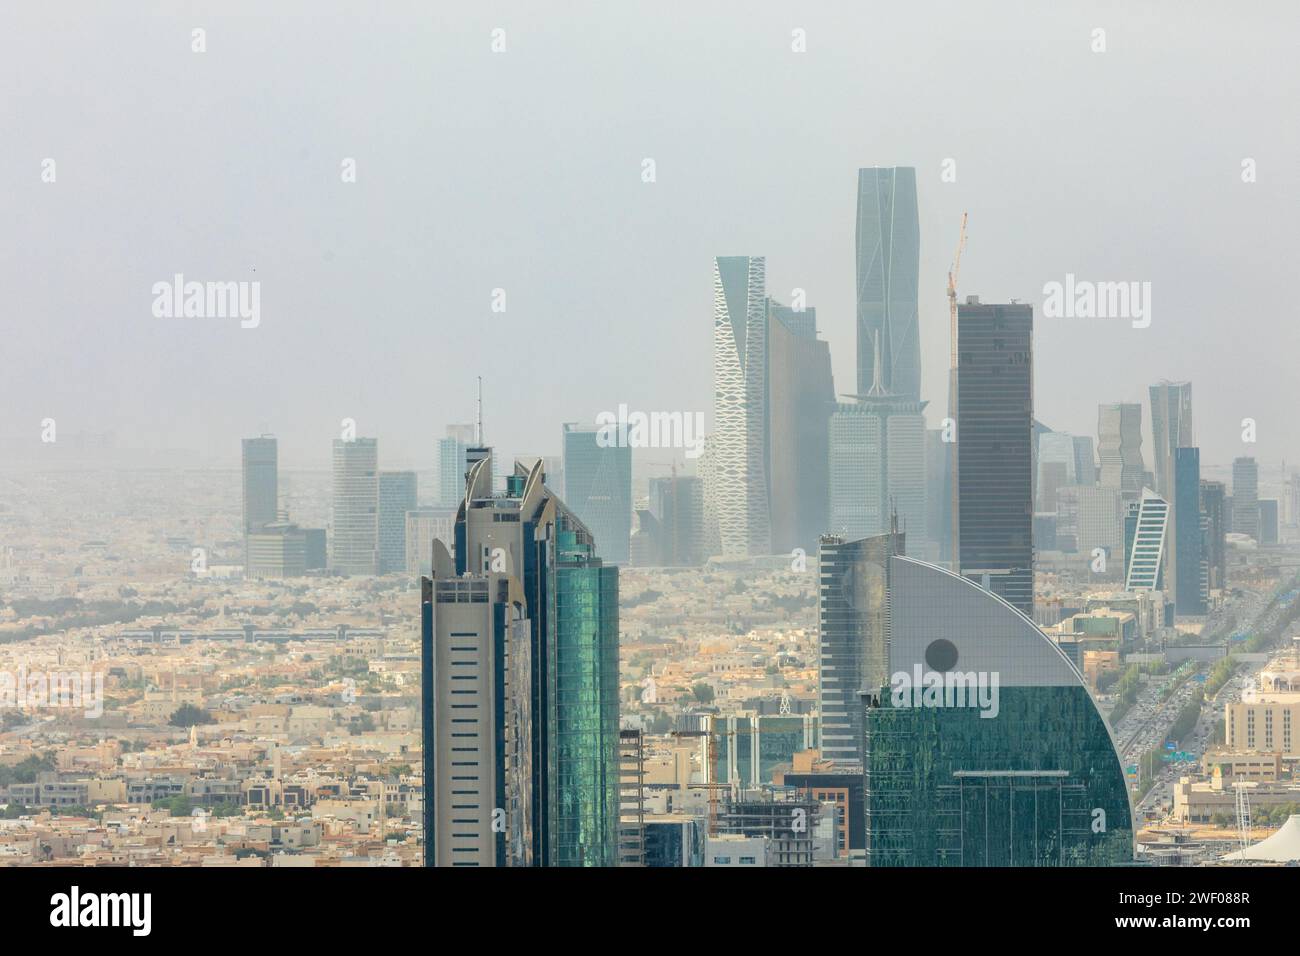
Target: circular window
{"x":941,"y":655}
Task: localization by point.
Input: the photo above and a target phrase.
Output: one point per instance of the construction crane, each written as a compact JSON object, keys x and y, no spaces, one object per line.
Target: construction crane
{"x":953,"y":272}
{"x":712,"y":753}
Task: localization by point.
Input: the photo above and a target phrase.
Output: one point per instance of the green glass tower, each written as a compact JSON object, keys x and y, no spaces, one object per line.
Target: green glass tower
{"x":583,"y":704}
{"x":520,"y":683}
{"x":985,"y":747}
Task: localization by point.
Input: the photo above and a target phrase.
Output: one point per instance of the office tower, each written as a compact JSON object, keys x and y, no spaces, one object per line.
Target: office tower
{"x":938,"y":494}
{"x":1189,"y":598}
{"x":354,"y":547}
{"x":1088,"y":518}
{"x":1052,"y":477}
{"x":520,"y":647}
{"x":277,"y":549}
{"x":878,"y":464}
{"x":1171,"y":429}
{"x":1145,"y":560}
{"x":422,"y":526}
{"x":1213,"y":508}
{"x":1085,"y":464}
{"x":1056,"y":467}
{"x":1268,"y":522}
{"x":1293,"y":499}
{"x":259,"y":485}
{"x":800,"y":394}
{"x":736,"y":494}
{"x":598,"y":476}
{"x":983,"y":746}
{"x":1245,"y":497}
{"x":853,"y":633}
{"x":397,"y":496}
{"x":1119,"y":446}
{"x":451,"y":464}
{"x":995,"y":479}
{"x":677,"y":506}
{"x":888,"y":241}
{"x":316,"y":547}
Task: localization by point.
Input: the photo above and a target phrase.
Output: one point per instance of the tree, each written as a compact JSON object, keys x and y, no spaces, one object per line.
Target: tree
{"x":703,"y":693}
{"x":187,"y":715}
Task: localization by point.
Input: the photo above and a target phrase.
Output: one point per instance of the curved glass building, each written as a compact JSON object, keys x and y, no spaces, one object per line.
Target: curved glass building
{"x":984,"y":748}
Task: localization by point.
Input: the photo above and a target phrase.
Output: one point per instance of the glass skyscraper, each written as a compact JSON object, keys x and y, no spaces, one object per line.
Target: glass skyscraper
{"x":1245,"y":497}
{"x":995,"y":448}
{"x":853,"y":630}
{"x":583,"y":704}
{"x":260,"y":477}
{"x":354,"y":542}
{"x":1119,"y":446}
{"x":598,"y":486}
{"x":1190,"y":578}
{"x":1009,"y":763}
{"x":520,"y":710}
{"x":888,"y":269}
{"x":397,"y":496}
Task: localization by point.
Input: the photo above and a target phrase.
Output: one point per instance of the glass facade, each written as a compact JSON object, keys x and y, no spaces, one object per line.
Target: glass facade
{"x":946,"y":787}
{"x":888,"y":247}
{"x":584,"y":706}
{"x":598,"y":486}
{"x":1016,"y":769}
{"x":995,"y":449}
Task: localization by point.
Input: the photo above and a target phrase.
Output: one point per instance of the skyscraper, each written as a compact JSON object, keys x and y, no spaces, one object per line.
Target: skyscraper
{"x":1245,"y":497}
{"x":1119,"y":446}
{"x":888,"y":270}
{"x":260,"y":479}
{"x":1085,"y":460}
{"x":451,"y":464}
{"x":520,"y":669}
{"x":1171,"y":429}
{"x":737,"y":491}
{"x":1189,"y":572}
{"x":853,"y":629}
{"x":1145,"y":559}
{"x":354,"y":543}
{"x":800,"y":394}
{"x":995,"y":480}
{"x":983,"y":746}
{"x":677,"y":506}
{"x":1090,"y":517}
{"x":598,"y":479}
{"x":397,"y":496}
{"x":878,"y":464}
{"x":1214,"y":509}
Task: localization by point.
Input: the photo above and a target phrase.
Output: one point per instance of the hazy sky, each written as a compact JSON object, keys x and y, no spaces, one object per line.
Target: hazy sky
{"x":522,"y":170}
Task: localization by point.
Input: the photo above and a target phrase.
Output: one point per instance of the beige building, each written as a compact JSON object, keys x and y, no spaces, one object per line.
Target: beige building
{"x":1268,"y":722}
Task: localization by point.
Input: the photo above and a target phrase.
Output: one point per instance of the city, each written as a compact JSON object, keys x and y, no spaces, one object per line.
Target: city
{"x":636,"y":542}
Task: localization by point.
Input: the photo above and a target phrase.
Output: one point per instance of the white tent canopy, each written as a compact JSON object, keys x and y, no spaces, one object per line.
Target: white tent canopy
{"x":1282,"y":847}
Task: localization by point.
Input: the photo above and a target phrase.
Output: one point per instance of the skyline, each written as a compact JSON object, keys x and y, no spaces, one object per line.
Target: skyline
{"x":353,"y":327}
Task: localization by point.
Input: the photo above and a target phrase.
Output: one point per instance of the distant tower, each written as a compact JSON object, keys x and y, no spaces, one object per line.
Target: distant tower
{"x":995,"y":449}
{"x":260,"y":466}
{"x":888,"y":244}
{"x":1245,"y":497}
{"x":737,"y":491}
{"x":1119,"y":445}
{"x":354,"y":546}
